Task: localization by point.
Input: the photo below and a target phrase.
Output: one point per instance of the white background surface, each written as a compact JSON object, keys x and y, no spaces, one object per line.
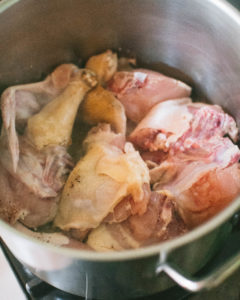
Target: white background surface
{"x":9,"y":286}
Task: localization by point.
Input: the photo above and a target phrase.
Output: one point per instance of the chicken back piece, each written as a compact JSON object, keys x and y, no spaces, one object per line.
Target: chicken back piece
{"x":110,"y":171}
{"x":139,"y":90}
{"x":197,"y":165}
{"x":39,"y":173}
{"x":160,"y":222}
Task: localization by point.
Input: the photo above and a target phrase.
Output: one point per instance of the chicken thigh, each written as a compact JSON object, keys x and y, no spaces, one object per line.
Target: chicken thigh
{"x":109,"y":172}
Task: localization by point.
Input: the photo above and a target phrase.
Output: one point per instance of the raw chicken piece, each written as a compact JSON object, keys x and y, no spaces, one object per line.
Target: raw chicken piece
{"x":200,"y":189}
{"x":18,"y":103}
{"x":164,"y":124}
{"x":110,"y":171}
{"x":104,"y":65}
{"x":181,"y":124}
{"x":208,"y":195}
{"x":189,"y":148}
{"x":159,"y":223}
{"x":18,"y":202}
{"x":40,"y":172}
{"x":31,"y":193}
{"x":53,"y":124}
{"x":140,"y":89}
{"x":56,"y":238}
{"x":44,"y":172}
{"x":126,"y":207}
{"x":100,"y":106}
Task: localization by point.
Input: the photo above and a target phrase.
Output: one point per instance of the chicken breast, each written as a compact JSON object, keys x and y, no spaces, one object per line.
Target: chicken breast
{"x":109,"y":171}
{"x":139,"y":90}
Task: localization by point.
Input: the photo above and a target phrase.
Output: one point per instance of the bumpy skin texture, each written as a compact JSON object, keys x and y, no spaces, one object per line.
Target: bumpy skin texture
{"x":191,"y":159}
{"x":139,"y":90}
{"x":109,"y":171}
{"x":38,"y":162}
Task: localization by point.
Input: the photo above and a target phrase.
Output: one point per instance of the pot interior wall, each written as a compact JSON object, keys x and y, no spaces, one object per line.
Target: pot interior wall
{"x":195,"y":37}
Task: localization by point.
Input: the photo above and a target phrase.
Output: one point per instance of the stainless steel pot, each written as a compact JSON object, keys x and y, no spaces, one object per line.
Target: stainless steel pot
{"x":198,"y":37}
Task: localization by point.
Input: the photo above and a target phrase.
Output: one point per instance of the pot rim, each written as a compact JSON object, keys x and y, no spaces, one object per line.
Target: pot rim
{"x":144,"y":252}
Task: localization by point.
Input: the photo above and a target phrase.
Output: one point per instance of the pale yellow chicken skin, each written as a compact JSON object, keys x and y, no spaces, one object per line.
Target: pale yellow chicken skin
{"x":53,"y":124}
{"x":101,"y":106}
{"x":100,"y":180}
{"x":104,"y":65}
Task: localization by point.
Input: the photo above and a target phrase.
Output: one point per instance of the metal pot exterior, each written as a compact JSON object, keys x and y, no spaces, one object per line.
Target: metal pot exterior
{"x":117,"y":279}
{"x":194,"y":36}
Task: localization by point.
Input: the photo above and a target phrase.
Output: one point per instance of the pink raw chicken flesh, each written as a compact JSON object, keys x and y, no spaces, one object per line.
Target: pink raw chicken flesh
{"x":181,"y":123}
{"x":34,"y":176}
{"x":160,"y":222}
{"x":190,"y":158}
{"x":139,"y":90}
{"x":184,"y":149}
